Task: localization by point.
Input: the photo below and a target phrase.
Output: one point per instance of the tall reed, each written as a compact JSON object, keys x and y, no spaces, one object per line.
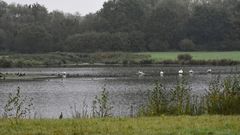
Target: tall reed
{"x":222,"y":97}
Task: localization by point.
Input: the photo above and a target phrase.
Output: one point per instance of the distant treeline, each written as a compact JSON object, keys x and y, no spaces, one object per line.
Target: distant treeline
{"x":123,"y":25}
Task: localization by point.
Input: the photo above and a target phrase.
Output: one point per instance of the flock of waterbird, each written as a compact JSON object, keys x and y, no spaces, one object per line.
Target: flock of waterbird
{"x":180,"y":72}
{"x":140,"y":73}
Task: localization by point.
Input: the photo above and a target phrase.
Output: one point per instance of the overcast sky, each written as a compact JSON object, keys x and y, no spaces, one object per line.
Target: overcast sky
{"x":71,"y":6}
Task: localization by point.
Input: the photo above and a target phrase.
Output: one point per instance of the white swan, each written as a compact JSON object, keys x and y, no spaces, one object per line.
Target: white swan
{"x":209,"y":71}
{"x":191,"y":71}
{"x":64,"y":75}
{"x":161,"y":73}
{"x":180,"y":72}
{"x":141,"y":73}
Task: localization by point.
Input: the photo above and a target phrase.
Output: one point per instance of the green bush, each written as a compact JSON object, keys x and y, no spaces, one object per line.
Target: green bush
{"x":166,"y":62}
{"x":147,"y":61}
{"x":157,"y":102}
{"x":180,"y":98}
{"x":101,"y":105}
{"x":5,"y":63}
{"x":18,"y":106}
{"x":184,"y":58}
{"x":223,"y":97}
{"x":175,"y":101}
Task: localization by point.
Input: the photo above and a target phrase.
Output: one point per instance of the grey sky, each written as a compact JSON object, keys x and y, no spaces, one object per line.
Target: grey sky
{"x":71,"y":6}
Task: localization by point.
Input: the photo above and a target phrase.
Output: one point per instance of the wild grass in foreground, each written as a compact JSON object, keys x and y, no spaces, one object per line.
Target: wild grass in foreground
{"x":163,"y":125}
{"x":222,"y":98}
{"x":176,"y":112}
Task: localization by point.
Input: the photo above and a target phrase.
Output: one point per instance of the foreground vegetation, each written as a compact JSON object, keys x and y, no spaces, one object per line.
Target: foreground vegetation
{"x":221,"y":98}
{"x":170,"y":111}
{"x":167,"y":125}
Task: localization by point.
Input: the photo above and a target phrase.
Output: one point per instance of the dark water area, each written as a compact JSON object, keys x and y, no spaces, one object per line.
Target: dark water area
{"x":125,"y":86}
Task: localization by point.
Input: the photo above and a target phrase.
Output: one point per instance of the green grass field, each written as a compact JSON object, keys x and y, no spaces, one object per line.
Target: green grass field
{"x":63,"y":59}
{"x":164,"y":125}
{"x":159,"y":56}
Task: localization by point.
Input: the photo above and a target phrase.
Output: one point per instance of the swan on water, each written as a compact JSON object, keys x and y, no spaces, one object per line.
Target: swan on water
{"x":141,"y":73}
{"x":191,"y":71}
{"x":209,"y":71}
{"x":180,"y":71}
{"x":161,"y":73}
{"x":64,"y":74}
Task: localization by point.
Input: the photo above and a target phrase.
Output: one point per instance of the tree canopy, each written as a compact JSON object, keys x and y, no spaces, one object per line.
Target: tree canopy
{"x":123,"y":25}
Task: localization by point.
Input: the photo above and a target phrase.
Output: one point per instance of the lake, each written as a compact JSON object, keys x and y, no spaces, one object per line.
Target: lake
{"x":126,"y":88}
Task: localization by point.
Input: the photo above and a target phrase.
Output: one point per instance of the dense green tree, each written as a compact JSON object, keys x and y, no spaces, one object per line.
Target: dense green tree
{"x":33,"y":39}
{"x":94,"y":22}
{"x":235,"y":19}
{"x":158,"y":45}
{"x":3,"y":7}
{"x":123,"y":25}
{"x":166,"y":23}
{"x":2,"y":39}
{"x":208,"y":26}
{"x":82,"y":42}
{"x":137,"y":41}
{"x":39,"y":13}
{"x":60,"y":26}
{"x":123,"y":15}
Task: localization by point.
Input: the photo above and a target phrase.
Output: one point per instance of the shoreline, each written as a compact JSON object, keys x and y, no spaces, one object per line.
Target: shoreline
{"x":118,"y":59}
{"x":36,"y":77}
{"x":119,"y":65}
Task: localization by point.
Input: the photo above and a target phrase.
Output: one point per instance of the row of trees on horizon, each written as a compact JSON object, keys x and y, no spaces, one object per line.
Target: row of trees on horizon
{"x":123,"y":25}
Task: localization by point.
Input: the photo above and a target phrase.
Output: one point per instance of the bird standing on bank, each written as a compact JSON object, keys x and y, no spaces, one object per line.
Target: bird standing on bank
{"x":61,"y":116}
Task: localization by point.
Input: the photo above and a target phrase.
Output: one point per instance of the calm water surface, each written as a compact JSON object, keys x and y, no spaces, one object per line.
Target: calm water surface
{"x":126,"y":88}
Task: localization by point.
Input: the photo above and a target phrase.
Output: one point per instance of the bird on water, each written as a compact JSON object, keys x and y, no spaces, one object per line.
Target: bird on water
{"x":180,"y":71}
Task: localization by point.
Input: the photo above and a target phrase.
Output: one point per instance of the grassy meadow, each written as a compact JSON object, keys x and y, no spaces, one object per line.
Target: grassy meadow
{"x":64,"y":59}
{"x":164,"y":125}
{"x":160,"y":56}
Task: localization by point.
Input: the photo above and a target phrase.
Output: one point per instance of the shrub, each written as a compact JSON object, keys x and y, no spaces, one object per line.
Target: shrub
{"x":184,"y":58}
{"x":101,"y":106}
{"x":149,"y":61}
{"x":25,"y":63}
{"x":157,"y":101}
{"x":199,"y":62}
{"x":18,"y":106}
{"x":175,"y":101}
{"x":77,"y":114}
{"x":223,"y":97}
{"x":5,"y":63}
{"x":125,"y":62}
{"x":166,"y":62}
{"x":180,"y":96}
